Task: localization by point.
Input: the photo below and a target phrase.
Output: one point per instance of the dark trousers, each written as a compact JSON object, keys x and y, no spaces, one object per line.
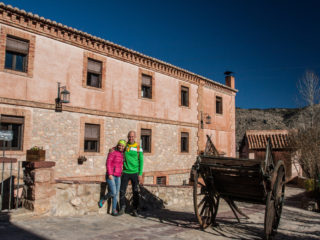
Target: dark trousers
{"x":123,"y":188}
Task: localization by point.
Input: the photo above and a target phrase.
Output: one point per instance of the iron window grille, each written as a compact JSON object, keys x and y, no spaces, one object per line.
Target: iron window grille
{"x":184,"y":142}
{"x":92,"y":138}
{"x":94,"y":73}
{"x":16,"y":54}
{"x":161,"y":180}
{"x":16,"y":125}
{"x":146,"y":140}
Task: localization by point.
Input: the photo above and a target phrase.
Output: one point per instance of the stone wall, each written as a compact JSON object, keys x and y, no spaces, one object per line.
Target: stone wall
{"x":61,"y":135}
{"x":172,"y":195}
{"x":74,"y":198}
{"x":179,"y":179}
{"x":39,"y":186}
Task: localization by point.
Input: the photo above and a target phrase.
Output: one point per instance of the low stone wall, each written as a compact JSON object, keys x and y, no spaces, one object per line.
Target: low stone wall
{"x":78,"y":197}
{"x":172,"y":195}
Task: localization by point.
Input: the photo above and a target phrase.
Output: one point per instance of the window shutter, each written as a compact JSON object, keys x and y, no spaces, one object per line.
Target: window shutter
{"x":146,"y":80}
{"x":184,"y":135}
{"x":145,"y":132}
{"x":92,"y":131}
{"x":94,"y":66}
{"x":184,"y":89}
{"x":16,"y":45}
{"x":12,"y":119}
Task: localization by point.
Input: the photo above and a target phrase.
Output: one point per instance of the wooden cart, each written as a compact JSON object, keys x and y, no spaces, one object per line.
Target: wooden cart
{"x":233,"y":179}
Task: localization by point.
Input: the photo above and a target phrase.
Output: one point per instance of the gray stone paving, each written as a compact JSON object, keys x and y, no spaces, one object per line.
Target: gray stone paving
{"x":174,"y":223}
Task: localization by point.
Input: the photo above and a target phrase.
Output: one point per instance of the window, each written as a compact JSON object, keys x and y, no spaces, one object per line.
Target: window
{"x":184,"y":142}
{"x":94,"y":73}
{"x":92,"y":138}
{"x":146,"y":86}
{"x":16,"y":54}
{"x":161,"y":180}
{"x":146,"y":140}
{"x":184,"y":96}
{"x":219,"y":105}
{"x":15,"y":124}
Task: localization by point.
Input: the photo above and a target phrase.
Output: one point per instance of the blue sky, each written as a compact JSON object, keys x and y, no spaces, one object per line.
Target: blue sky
{"x":268,"y":44}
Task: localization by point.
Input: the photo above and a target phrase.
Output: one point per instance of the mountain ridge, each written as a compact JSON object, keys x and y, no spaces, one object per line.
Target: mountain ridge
{"x":268,"y":119}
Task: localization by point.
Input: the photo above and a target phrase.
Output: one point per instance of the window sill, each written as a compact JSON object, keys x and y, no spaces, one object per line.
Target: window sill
{"x":219,"y":114}
{"x":147,"y":99}
{"x":147,"y":153}
{"x":184,"y":153}
{"x":93,"y":88}
{"x":185,"y":107}
{"x":92,"y":154}
{"x":24,"y":74}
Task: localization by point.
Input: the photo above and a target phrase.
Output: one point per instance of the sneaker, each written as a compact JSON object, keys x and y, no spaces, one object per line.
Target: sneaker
{"x":115,"y":213}
{"x":101,"y":202}
{"x":122,"y":210}
{"x":135,"y":213}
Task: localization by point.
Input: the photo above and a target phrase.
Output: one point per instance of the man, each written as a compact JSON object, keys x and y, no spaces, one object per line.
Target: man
{"x":132,"y":170}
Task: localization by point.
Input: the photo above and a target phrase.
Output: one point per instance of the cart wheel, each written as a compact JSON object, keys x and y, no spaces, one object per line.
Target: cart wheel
{"x":274,"y":205}
{"x":205,"y":202}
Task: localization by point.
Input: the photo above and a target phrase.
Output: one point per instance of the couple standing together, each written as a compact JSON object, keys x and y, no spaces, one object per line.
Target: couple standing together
{"x":124,"y":163}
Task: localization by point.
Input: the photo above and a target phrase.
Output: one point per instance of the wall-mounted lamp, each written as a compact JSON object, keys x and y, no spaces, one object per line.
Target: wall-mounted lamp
{"x":205,"y":118}
{"x":63,"y":97}
{"x":208,"y":119}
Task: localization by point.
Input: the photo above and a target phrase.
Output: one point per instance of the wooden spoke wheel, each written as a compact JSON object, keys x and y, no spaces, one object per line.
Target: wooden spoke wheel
{"x":205,"y":202}
{"x":274,"y":204}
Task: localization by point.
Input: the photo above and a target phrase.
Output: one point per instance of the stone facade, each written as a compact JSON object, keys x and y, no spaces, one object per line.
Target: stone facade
{"x":179,"y":179}
{"x":59,"y":135}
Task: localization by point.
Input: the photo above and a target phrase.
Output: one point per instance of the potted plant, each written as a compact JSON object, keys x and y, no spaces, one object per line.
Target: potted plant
{"x":36,"y":154}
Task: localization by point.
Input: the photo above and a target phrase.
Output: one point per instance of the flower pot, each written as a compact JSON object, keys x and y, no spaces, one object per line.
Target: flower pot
{"x":36,"y":155}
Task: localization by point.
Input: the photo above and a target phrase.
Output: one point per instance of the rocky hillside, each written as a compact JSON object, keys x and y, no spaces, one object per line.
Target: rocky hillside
{"x":266,"y":119}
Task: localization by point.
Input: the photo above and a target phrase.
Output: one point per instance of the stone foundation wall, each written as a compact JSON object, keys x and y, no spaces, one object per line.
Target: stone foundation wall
{"x":77,"y":199}
{"x":82,"y":198}
{"x":172,"y":195}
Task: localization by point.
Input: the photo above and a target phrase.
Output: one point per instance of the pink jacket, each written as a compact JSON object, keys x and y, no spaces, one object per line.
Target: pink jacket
{"x":115,"y":163}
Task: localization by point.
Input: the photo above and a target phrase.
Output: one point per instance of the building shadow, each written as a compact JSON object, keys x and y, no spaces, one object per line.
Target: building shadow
{"x":9,"y":231}
{"x":7,"y":191}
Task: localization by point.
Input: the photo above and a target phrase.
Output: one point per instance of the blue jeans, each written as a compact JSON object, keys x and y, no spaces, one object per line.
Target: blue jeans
{"x":114,"y":187}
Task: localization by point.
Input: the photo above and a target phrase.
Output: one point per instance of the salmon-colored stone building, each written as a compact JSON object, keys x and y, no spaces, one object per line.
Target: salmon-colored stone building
{"x":112,"y":90}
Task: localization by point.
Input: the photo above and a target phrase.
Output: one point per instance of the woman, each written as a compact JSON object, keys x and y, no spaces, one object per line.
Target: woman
{"x":114,"y":171}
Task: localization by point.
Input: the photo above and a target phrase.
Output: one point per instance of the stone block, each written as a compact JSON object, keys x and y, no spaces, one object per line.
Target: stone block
{"x":41,"y":191}
{"x":91,"y":188}
{"x":43,"y":175}
{"x":35,"y":165}
{"x":81,"y":190}
{"x":76,"y":202}
{"x":62,"y":186}
{"x":65,"y":209}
